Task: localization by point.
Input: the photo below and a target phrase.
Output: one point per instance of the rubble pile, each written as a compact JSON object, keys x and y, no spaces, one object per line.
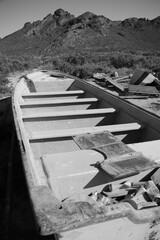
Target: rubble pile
{"x":140,"y":195}
{"x":141,"y":84}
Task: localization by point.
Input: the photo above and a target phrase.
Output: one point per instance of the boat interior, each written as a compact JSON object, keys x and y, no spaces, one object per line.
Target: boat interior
{"x":65,"y":126}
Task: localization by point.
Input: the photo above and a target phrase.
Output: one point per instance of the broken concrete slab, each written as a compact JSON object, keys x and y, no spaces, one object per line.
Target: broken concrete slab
{"x":149,"y":79}
{"x":99,"y":76}
{"x":138,"y":77}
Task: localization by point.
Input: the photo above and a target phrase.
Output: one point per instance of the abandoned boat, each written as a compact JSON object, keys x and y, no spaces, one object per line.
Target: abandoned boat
{"x":91,"y":159}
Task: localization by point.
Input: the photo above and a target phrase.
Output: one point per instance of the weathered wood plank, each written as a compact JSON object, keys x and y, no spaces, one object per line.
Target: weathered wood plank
{"x":48,"y":94}
{"x":59,"y":102}
{"x":140,"y":89}
{"x":134,"y":97}
{"x":89,"y":112}
{"x":115,"y":84}
{"x":38,"y":135}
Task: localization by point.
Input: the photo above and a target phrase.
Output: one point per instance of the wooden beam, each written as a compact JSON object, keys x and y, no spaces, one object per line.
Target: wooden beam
{"x":115,"y":84}
{"x":39,"y":135}
{"x":134,"y":97}
{"x":76,"y":113}
{"x":59,"y":102}
{"x":50,"y":94}
{"x":143,"y":90}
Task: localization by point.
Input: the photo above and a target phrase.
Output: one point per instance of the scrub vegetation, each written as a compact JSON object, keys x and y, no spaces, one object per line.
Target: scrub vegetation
{"x":80,"y":64}
{"x":81,"y":46}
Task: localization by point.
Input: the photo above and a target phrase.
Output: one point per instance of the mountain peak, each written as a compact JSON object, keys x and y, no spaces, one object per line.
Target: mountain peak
{"x":61,"y":16}
{"x":60,"y":12}
{"x":48,"y":24}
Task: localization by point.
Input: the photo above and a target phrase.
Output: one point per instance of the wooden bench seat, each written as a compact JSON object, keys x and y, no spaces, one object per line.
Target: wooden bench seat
{"x":150,"y":149}
{"x":50,"y":94}
{"x":59,"y":102}
{"x":70,"y":172}
{"x":38,"y":135}
{"x":76,"y":113}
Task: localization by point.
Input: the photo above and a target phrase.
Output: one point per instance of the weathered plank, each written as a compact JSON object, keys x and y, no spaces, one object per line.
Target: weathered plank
{"x":138,"y":77}
{"x":144,"y":90}
{"x":39,"y":135}
{"x":134,"y":97}
{"x":116,"y":84}
{"x":76,"y":113}
{"x":49,"y":94}
{"x":59,"y":102}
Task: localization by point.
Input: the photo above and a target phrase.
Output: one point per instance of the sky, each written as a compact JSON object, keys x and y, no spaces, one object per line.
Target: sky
{"x":15,"y":13}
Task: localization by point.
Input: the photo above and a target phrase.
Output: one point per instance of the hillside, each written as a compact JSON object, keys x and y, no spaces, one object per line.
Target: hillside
{"x":63,"y":31}
{"x":81,"y":45}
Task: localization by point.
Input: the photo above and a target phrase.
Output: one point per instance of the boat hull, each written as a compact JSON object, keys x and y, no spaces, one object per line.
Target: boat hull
{"x":48,"y":113}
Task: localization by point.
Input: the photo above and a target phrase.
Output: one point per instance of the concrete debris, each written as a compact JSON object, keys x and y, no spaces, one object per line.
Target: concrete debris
{"x":139,"y":84}
{"x":114,"y":74}
{"x":140,"y":194}
{"x":138,"y":77}
{"x":99,"y":76}
{"x":150,"y":79}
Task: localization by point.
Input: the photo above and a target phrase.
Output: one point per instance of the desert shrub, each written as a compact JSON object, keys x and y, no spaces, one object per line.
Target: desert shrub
{"x":5,"y":88}
{"x":125,"y":60}
{"x":147,"y":62}
{"x":122,"y":60}
{"x":81,"y":72}
{"x":10,"y":64}
{"x":141,"y":63}
{"x":75,"y":59}
{"x":62,"y":65}
{"x":84,"y":63}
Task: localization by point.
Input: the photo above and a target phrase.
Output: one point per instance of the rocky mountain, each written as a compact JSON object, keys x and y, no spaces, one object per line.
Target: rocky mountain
{"x":65,"y":32}
{"x":48,"y":24}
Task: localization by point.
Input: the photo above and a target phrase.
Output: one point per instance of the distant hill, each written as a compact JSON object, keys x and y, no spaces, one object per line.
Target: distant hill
{"x":63,"y":31}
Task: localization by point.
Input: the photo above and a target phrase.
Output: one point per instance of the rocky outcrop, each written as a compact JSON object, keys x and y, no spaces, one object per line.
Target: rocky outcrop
{"x":48,"y":24}
{"x":156,"y":22}
{"x":61,"y":17}
{"x":135,"y":23}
